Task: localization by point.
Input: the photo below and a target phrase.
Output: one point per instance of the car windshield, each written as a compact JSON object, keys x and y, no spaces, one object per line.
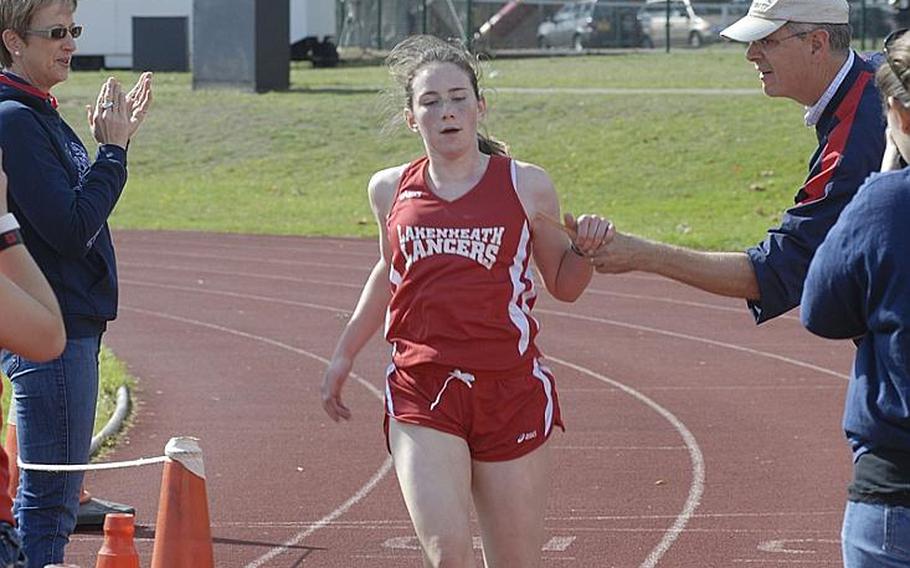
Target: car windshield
{"x":676,"y":8}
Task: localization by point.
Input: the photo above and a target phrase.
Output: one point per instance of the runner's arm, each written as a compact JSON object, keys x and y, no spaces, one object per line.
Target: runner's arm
{"x":565,"y":273}
{"x":370,"y":311}
{"x":31,"y":324}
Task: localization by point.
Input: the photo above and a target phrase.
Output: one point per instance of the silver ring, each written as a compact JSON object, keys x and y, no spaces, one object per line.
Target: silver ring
{"x":107,"y":105}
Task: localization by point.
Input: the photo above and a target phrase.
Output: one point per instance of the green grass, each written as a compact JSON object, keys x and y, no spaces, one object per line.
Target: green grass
{"x":715,"y":66}
{"x":705,"y":171}
{"x":113,"y":374}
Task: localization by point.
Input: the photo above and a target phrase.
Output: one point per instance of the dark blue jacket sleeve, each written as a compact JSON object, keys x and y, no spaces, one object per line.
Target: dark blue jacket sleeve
{"x":782,"y":259}
{"x":859,"y":279}
{"x":66,"y":212}
{"x":833,"y":300}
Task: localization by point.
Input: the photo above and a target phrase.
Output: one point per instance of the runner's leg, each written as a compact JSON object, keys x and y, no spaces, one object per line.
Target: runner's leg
{"x":511,"y":500}
{"x":434,"y":473}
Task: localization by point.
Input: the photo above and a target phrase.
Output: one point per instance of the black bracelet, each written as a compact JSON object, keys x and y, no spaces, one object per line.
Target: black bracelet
{"x":578,"y":251}
{"x":10,"y":238}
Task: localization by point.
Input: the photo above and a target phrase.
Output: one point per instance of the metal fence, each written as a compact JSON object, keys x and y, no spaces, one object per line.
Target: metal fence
{"x":524,"y":24}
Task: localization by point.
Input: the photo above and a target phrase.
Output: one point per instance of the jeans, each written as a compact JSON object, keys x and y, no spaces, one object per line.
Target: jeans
{"x":55,"y":414}
{"x":876,"y":536}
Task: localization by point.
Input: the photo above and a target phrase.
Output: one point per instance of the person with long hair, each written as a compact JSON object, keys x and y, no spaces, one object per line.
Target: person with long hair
{"x":858,"y":287}
{"x":470,"y":404}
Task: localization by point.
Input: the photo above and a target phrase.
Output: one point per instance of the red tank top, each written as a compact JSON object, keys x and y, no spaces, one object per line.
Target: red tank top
{"x":462,"y":289}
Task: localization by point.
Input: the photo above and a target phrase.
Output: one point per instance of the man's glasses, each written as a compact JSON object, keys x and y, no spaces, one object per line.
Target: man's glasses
{"x":886,"y":49}
{"x":770,"y":43}
{"x":57,"y":32}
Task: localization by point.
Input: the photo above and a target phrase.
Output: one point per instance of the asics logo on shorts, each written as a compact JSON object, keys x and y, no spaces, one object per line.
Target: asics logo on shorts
{"x":526,"y":436}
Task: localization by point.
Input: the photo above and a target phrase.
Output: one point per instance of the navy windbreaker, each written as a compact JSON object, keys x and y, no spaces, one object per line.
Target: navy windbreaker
{"x":851,"y":141}
{"x":62,"y":202}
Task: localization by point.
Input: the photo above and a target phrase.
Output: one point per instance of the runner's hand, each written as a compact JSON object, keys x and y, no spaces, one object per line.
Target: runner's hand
{"x":332,"y":383}
{"x":592,"y":232}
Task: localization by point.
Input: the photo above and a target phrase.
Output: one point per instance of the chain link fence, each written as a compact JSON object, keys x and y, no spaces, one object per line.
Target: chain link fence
{"x":587,"y":24}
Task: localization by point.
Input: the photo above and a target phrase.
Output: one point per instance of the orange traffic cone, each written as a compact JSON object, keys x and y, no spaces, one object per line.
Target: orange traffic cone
{"x":118,"y":550}
{"x":183,"y":538}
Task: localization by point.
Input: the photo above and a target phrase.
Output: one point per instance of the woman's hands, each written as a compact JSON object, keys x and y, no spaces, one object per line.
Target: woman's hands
{"x":139,"y":100}
{"x":116,"y":115}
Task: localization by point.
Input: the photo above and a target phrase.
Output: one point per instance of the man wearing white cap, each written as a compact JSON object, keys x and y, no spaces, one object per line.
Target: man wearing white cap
{"x":801,"y":49}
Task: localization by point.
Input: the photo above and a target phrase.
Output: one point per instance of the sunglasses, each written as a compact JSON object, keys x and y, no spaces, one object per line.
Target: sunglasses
{"x":57,"y":32}
{"x":886,"y":48}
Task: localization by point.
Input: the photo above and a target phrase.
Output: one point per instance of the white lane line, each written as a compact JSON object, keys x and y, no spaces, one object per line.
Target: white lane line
{"x":766,"y":561}
{"x":245,"y":296}
{"x":359,"y":286}
{"x":558,"y":544}
{"x":696,"y":488}
{"x":362,"y":525}
{"x":356,"y":497}
{"x":234,"y":258}
{"x":690,"y":530}
{"x":415,"y":558}
{"x":592,"y":319}
{"x":732,"y":515}
{"x":696,"y":458}
{"x":740,"y":310}
{"x":340,"y":510}
{"x":695,"y":338}
{"x":622,"y":448}
{"x":128,"y":250}
{"x":131,"y":237}
{"x":558,"y":522}
{"x":652,"y":559}
{"x":234,"y":274}
{"x":698,"y":387}
{"x":774,"y":388}
{"x":274,"y":249}
{"x":793,"y":545}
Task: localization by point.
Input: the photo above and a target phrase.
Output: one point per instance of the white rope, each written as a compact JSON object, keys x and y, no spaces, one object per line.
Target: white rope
{"x":90,"y":466}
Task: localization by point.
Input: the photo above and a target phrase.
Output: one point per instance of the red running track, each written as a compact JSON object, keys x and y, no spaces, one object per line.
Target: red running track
{"x":694,"y":438}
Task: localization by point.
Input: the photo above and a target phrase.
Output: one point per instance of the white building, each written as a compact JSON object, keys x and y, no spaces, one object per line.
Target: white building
{"x":108,"y":37}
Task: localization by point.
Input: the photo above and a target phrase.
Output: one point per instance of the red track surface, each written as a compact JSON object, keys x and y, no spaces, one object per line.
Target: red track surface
{"x":694,"y":438}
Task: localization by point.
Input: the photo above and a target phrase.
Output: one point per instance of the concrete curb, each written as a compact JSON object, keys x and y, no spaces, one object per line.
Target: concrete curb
{"x":116,"y":420}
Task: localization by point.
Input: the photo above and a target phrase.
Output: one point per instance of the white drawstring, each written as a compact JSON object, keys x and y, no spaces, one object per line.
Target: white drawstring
{"x":466,"y":378}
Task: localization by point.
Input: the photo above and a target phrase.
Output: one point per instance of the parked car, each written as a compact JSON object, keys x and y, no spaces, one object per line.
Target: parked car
{"x":593,"y":23}
{"x":686,"y":27}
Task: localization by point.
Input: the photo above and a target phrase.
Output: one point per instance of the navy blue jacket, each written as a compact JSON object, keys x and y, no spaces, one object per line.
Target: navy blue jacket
{"x":851,"y":141}
{"x":858,"y":286}
{"x":62,"y":203}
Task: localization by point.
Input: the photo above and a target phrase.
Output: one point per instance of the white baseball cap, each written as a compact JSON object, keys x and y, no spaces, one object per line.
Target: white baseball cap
{"x":767,"y":16}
